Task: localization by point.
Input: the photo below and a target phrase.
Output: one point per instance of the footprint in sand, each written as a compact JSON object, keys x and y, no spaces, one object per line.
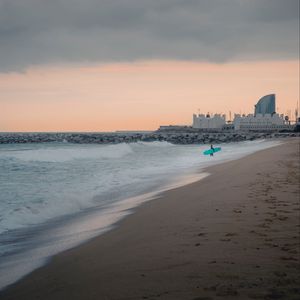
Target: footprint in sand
{"x":229,"y":262}
{"x":211,"y":288}
{"x":269,"y":201}
{"x":263,"y":225}
{"x":285,"y":249}
{"x":280,"y":274}
{"x":282,"y":218}
{"x":269,"y":220}
{"x":255,"y":232}
{"x":283,"y":211}
{"x":271,"y":214}
{"x":225,"y":240}
{"x":226,"y":291}
{"x":231,"y":234}
{"x":256,"y":296}
{"x":275,"y":294}
{"x":291,"y":258}
{"x":201,"y":234}
{"x":283,"y":204}
{"x":268,"y":240}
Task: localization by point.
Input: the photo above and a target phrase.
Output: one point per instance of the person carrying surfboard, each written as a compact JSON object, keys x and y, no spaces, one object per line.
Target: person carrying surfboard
{"x":213,"y":149}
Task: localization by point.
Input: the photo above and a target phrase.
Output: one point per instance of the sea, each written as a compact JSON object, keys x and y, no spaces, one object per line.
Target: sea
{"x":56,"y":196}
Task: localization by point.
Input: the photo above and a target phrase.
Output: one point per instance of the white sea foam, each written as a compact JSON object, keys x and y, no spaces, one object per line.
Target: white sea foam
{"x":67,"y":153}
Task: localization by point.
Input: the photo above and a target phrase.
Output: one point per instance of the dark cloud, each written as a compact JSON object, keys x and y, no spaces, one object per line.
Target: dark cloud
{"x":42,"y":31}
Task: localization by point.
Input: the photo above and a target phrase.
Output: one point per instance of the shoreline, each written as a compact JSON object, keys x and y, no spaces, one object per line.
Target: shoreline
{"x":58,"y":235}
{"x":136,"y":236}
{"x":88,"y":220}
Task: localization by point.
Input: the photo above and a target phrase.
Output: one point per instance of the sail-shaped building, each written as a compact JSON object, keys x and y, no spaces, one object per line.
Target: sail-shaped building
{"x":265,"y":105}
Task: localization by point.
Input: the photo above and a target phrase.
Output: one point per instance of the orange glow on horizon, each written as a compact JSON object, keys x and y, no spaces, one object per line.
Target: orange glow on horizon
{"x":141,"y":95}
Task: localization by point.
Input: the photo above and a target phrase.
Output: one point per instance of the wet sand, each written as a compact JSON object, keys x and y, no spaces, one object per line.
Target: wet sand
{"x":232,"y":235}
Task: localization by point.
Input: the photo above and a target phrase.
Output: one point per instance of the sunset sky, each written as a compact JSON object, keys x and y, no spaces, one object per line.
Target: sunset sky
{"x":71,"y":65}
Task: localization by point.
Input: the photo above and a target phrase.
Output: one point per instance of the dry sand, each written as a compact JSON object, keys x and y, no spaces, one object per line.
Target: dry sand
{"x":233,"y":235}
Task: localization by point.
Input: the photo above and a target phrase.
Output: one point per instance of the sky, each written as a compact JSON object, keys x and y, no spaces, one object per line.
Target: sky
{"x":103,"y":65}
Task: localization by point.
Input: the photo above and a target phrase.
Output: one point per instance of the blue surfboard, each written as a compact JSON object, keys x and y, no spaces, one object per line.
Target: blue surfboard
{"x":211,"y":151}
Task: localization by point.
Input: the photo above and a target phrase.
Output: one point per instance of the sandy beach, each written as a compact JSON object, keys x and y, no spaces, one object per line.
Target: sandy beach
{"x":233,"y":235}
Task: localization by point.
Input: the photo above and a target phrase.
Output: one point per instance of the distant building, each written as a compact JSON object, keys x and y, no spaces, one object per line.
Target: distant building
{"x":259,"y":122}
{"x":201,"y":121}
{"x":265,"y":105}
{"x":265,"y":117}
{"x":228,"y":127}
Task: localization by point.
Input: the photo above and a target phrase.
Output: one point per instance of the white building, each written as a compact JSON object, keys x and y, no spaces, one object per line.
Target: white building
{"x":201,"y":121}
{"x":264,"y":119}
{"x":259,"y":122}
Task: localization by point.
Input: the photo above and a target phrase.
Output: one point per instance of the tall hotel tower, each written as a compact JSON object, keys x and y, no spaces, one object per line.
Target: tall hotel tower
{"x":265,"y":105}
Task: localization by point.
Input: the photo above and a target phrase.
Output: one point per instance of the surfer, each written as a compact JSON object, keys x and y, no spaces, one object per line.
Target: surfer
{"x":212,"y":148}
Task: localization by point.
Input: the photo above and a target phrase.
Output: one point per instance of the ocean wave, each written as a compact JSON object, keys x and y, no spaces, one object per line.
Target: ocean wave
{"x":48,"y":181}
{"x":162,"y":144}
{"x":53,"y":153}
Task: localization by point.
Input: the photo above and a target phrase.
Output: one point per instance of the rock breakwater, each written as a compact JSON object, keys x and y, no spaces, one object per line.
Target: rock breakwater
{"x":115,"y":137}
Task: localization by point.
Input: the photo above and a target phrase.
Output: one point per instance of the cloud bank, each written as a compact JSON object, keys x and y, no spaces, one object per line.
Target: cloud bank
{"x":34,"y":32}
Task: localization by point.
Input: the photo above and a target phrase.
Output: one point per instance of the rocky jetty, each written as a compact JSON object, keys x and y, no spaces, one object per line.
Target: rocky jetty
{"x":176,"y":137}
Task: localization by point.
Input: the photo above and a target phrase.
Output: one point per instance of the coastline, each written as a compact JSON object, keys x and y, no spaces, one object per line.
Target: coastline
{"x":234,"y":234}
